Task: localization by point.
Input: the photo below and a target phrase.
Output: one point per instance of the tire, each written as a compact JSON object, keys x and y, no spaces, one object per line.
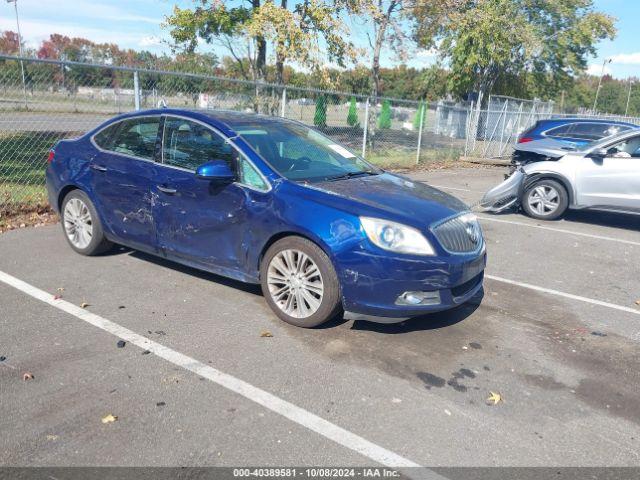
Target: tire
{"x":282,"y":277}
{"x":545,"y":199}
{"x":81,"y":224}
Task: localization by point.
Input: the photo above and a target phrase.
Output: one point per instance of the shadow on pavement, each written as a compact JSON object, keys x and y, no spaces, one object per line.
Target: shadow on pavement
{"x":194,"y":272}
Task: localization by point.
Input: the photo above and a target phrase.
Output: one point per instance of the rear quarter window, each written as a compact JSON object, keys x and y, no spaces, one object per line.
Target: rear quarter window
{"x":104,"y":138}
{"x":561,"y":131}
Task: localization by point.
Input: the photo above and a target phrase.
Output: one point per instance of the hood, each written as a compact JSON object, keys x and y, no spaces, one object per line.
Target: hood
{"x":547,"y":147}
{"x":396,"y":196}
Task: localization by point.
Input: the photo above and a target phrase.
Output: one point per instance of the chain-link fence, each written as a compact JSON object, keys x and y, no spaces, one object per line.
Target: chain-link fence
{"x":55,"y":100}
{"x":43,"y":101}
{"x":492,"y":132}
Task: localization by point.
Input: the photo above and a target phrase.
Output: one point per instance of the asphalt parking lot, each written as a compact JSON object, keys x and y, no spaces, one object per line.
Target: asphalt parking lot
{"x":556,"y":334}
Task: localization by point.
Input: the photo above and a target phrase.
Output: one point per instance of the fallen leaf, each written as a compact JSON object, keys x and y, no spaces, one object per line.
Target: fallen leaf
{"x":27,"y":376}
{"x":84,"y":305}
{"x":52,"y":437}
{"x":57,"y":297}
{"x":109,"y":418}
{"x":494,"y":398}
{"x":266,"y":333}
{"x":146,"y":352}
{"x":637,"y":302}
{"x":61,"y":289}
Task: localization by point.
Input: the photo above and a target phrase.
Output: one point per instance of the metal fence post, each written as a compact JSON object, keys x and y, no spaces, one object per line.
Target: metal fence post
{"x":136,"y":90}
{"x":283,"y":107}
{"x":366,"y":128}
{"x":423,"y":107}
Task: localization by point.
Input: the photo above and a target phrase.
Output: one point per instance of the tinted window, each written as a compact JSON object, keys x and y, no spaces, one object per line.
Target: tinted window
{"x":562,"y":131}
{"x":104,"y":138}
{"x":189,"y":144}
{"x":136,"y":137}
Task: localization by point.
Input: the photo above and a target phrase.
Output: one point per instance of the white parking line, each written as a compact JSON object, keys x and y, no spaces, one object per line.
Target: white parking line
{"x":560,"y":230}
{"x":550,"y":291}
{"x":286,"y":409}
{"x":449,"y":188}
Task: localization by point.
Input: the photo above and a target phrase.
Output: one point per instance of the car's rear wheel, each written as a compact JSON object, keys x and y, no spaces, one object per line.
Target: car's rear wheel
{"x":299,"y":282}
{"x":545,"y":199}
{"x":81,"y":224}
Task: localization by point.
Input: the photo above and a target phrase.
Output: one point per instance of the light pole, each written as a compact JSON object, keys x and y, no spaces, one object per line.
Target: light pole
{"x":24,"y":83}
{"x":626,"y":110}
{"x":595,"y":102}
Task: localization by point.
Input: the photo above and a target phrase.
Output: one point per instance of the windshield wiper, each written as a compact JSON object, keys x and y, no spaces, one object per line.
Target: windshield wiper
{"x":350,"y":175}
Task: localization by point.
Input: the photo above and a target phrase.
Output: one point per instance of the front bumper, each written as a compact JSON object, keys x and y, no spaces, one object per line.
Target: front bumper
{"x":372,"y":283}
{"x":504,"y":195}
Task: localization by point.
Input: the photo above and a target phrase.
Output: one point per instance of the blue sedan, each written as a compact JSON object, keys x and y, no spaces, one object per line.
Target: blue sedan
{"x":268,"y":201}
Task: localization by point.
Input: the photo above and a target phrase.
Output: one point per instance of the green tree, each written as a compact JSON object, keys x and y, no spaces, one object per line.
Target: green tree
{"x":292,"y":30}
{"x":420,"y":116}
{"x":320,"y":115}
{"x":384,"y":120}
{"x":352,"y":116}
{"x":548,"y":40}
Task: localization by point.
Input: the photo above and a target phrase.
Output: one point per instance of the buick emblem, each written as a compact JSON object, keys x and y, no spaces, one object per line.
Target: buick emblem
{"x":473,"y":230}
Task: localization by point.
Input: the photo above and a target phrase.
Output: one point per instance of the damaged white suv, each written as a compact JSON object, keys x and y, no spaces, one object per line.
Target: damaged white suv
{"x":604,"y":175}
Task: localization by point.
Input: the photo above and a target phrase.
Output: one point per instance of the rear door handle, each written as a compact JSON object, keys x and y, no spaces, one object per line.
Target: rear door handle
{"x":99,"y":168}
{"x":169,"y":191}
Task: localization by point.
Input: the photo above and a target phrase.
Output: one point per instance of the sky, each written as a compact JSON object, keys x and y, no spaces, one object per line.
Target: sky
{"x":136,"y":24}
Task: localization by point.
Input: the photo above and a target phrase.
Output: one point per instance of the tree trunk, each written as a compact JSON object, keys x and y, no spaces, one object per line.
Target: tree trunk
{"x":381,"y":33}
{"x":280,"y":57}
{"x":261,"y":44}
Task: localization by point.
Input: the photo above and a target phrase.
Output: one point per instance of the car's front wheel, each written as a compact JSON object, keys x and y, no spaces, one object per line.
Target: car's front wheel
{"x":545,"y":199}
{"x":81,"y":224}
{"x":299,"y":282}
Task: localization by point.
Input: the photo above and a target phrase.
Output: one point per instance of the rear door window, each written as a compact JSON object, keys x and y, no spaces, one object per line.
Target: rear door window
{"x":135,"y":137}
{"x":596,"y":131}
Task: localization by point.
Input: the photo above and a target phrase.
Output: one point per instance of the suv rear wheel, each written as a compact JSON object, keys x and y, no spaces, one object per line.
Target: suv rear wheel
{"x":545,"y":199}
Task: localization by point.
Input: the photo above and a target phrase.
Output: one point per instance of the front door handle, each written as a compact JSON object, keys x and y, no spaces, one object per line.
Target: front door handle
{"x":167,"y":190}
{"x":99,"y":168}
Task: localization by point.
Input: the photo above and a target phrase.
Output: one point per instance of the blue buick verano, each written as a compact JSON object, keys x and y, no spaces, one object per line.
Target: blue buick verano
{"x":270,"y":201}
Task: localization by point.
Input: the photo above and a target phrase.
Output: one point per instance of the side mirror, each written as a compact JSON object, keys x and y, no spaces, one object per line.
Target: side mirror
{"x":599,"y":153}
{"x":216,"y":171}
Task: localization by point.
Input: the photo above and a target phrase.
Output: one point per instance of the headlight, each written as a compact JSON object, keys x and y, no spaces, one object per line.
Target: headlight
{"x":396,"y":237}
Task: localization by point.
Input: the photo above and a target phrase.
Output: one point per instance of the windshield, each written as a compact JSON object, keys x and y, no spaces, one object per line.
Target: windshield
{"x":302,"y":154}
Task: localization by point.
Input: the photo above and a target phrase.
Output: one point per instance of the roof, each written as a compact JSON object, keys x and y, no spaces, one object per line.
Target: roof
{"x":225,"y":120}
{"x":562,"y":120}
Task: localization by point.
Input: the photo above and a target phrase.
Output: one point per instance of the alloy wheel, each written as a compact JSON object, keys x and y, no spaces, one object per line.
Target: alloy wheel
{"x":544,"y":200}
{"x":295,"y":283}
{"x":78,"y":223}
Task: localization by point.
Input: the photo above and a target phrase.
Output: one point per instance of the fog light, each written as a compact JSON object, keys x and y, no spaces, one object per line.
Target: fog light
{"x":419,"y":298}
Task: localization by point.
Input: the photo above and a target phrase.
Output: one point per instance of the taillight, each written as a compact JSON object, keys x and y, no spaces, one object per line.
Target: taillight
{"x":525,"y":140}
{"x":51,"y":155}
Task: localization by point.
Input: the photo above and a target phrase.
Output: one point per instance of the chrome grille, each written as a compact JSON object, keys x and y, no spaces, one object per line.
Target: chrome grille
{"x":461,"y":234}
